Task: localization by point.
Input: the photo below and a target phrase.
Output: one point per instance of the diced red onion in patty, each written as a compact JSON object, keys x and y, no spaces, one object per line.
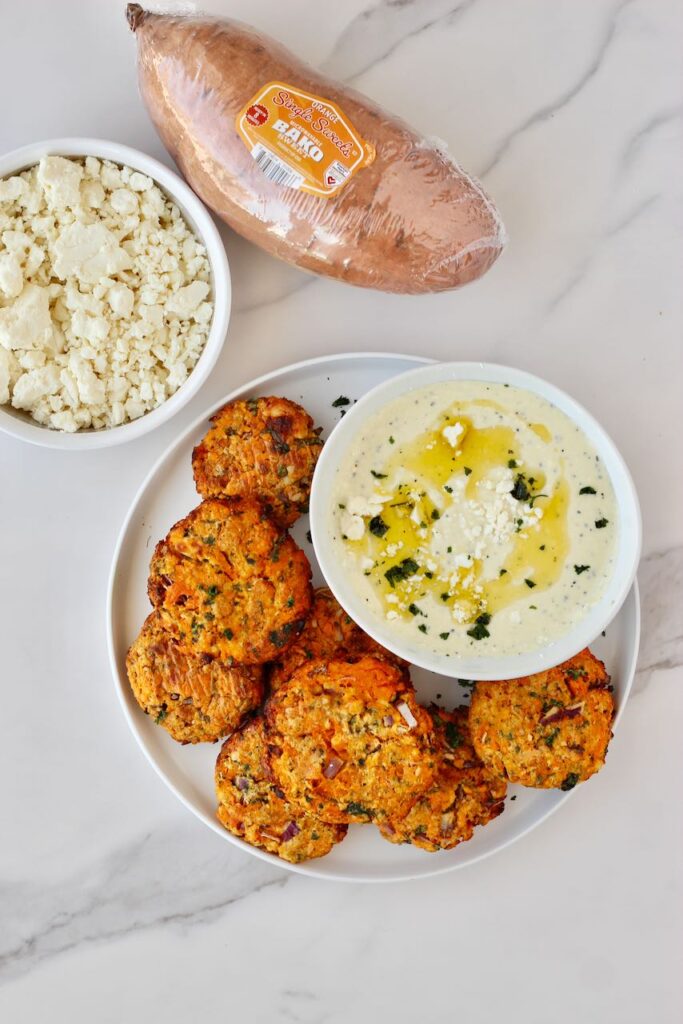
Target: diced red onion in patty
{"x":333,"y":767}
{"x":289,"y":833}
{"x":406,"y":714}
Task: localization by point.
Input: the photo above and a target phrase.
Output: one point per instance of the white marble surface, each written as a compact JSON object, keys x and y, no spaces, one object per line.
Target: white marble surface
{"x":117,"y":906}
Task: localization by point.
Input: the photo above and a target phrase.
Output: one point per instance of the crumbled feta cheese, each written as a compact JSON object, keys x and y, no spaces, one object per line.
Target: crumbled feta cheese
{"x":11,"y":277}
{"x":359,"y":506}
{"x":26,"y":323}
{"x":454,"y":432}
{"x":352,"y":526}
{"x":186,"y":300}
{"x":104,"y":294}
{"x":61,"y":179}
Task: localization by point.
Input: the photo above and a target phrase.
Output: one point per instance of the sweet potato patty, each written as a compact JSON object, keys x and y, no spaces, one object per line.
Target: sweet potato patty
{"x":328,"y":633}
{"x":464,"y":793}
{"x":195,"y":697}
{"x":549,"y":730}
{"x":263,"y":448}
{"x":230,"y":583}
{"x":350,"y":741}
{"x":253,"y":807}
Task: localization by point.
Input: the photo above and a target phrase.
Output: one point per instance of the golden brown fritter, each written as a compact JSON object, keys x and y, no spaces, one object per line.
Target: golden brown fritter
{"x":350,"y":741}
{"x":230,"y":584}
{"x":464,"y":793}
{"x":253,"y":807}
{"x":328,"y":633}
{"x":548,"y":730}
{"x":195,"y":697}
{"x":264,"y":448}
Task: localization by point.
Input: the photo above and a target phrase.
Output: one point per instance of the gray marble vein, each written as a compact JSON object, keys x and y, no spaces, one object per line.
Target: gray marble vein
{"x":612,"y":231}
{"x":170,"y":877}
{"x":548,"y":110}
{"x":377,"y":32}
{"x":661,"y":582}
{"x":643,"y":136}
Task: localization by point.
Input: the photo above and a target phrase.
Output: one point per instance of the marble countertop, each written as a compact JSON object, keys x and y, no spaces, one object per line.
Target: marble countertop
{"x":115,"y":904}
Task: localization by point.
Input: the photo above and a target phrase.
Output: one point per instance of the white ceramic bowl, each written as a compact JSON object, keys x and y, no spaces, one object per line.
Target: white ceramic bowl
{"x":595,"y":618}
{"x":19,"y":424}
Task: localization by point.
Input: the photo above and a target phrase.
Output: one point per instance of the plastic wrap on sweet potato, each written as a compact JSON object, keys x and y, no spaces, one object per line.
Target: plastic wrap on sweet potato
{"x":305,"y":168}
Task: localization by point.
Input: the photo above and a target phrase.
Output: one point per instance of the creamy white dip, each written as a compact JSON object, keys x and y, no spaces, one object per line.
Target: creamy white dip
{"x":474,"y":518}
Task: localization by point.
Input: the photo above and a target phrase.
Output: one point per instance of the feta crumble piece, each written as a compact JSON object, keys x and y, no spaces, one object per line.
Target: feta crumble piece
{"x":454,"y":433}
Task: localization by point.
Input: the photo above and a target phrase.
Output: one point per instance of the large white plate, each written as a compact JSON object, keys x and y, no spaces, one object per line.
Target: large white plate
{"x":166,"y":495}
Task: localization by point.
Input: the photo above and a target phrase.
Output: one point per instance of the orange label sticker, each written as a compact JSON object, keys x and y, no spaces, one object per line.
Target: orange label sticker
{"x":302,"y":141}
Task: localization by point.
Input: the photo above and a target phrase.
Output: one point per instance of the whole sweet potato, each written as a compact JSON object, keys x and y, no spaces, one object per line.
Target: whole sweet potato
{"x":408,"y":220}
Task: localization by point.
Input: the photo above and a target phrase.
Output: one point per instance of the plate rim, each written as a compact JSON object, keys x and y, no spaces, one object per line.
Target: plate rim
{"x":307,"y":868}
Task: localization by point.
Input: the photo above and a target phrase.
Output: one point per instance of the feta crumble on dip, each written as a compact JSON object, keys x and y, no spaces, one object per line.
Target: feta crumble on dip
{"x":105,"y":300}
{"x":475,"y":518}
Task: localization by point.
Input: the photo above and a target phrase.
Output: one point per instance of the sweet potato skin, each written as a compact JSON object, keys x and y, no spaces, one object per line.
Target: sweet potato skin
{"x":410,"y":222}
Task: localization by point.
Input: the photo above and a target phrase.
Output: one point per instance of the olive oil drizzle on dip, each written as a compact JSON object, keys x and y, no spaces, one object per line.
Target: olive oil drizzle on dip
{"x":475,"y":518}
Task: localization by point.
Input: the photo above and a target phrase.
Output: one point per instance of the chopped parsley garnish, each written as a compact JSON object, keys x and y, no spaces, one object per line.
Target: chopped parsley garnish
{"x":359,"y":809}
{"x":467,"y":470}
{"x":444,"y":636}
{"x":228,"y":634}
{"x":422,"y":627}
{"x":162,"y":714}
{"x":551,"y":737}
{"x":377,"y":526}
{"x":578,"y":569}
{"x":588,"y":490}
{"x":429,"y":575}
{"x":445,"y":595}
{"x":512,"y":464}
{"x":378,"y":476}
{"x":600,"y":524}
{"x":479,"y":630}
{"x":209,"y":540}
{"x":530,"y":584}
{"x":342,"y":400}
{"x":290,"y":602}
{"x":448,"y":489}
{"x":391,"y":440}
{"x":502,"y":572}
{"x":453,"y":735}
{"x":570,"y":781}
{"x":281,"y":471}
{"x":436,"y":514}
{"x":520,"y":491}
{"x":407,"y":567}
{"x":279,"y":637}
{"x":211,"y":592}
{"x":414,"y":610}
{"x":541,"y":547}
{"x":275,"y":551}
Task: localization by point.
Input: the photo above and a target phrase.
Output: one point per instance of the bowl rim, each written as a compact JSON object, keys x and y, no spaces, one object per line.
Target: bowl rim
{"x":490,"y":667}
{"x":201,"y":223}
